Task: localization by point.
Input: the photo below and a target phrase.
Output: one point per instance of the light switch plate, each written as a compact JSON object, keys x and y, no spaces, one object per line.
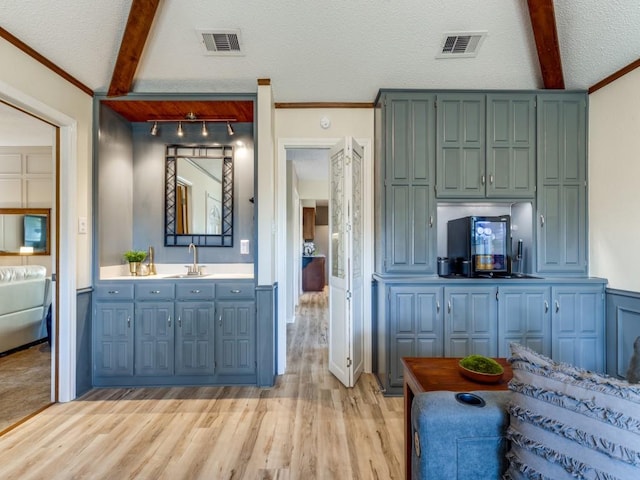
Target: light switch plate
{"x":244,"y":247}
{"x":82,"y":224}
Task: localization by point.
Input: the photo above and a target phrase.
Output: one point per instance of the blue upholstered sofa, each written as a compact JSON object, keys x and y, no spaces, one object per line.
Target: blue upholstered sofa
{"x":555,"y":422}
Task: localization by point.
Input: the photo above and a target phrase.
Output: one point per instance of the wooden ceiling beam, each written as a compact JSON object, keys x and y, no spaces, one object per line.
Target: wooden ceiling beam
{"x":135,"y":36}
{"x":543,"y":22}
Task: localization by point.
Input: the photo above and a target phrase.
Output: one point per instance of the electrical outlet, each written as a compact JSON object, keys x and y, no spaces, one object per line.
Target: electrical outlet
{"x":82,"y":225}
{"x":244,"y":247}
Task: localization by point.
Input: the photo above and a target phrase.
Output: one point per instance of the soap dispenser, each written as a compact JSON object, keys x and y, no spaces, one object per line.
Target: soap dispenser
{"x":151,"y":266}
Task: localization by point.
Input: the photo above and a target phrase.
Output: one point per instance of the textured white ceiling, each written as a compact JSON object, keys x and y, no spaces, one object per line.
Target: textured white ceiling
{"x":332,"y":50}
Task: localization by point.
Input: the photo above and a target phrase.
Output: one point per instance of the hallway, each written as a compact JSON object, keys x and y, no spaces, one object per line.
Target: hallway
{"x":308,"y":426}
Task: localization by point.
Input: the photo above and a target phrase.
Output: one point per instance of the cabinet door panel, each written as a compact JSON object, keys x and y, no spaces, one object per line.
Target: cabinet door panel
{"x":154,"y":344}
{"x":510,"y":146}
{"x":236,"y":342}
{"x":460,"y":145}
{"x":195,"y":336}
{"x":524,"y":317}
{"x":113,"y":339}
{"x":578,"y":326}
{"x":400,"y":347}
{"x":471,"y":321}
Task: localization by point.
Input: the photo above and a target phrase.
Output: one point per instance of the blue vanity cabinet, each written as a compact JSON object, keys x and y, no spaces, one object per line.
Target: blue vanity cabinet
{"x":154,"y":334}
{"x":511,"y":146}
{"x":562,"y":184}
{"x":405,"y":164}
{"x":113,"y":331}
{"x":195,"y":328}
{"x":578,"y":325}
{"x":524,"y":316}
{"x":416,"y":324}
{"x":460,"y":145}
{"x":470,"y":321}
{"x":236,"y":332}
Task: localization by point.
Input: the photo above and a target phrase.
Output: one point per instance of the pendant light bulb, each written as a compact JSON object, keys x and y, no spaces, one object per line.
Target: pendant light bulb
{"x":230,"y":129}
{"x":205,"y":132}
{"x":180,"y":131}
{"x":154,"y":129}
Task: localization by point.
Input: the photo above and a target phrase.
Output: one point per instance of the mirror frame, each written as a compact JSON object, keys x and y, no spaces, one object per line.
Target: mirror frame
{"x":30,"y":211}
{"x":173,"y":239}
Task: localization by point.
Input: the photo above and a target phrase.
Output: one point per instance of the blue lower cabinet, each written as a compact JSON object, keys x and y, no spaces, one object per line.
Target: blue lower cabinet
{"x":195,"y":338}
{"x":154,"y":338}
{"x":524,"y":317}
{"x":113,"y":339}
{"x":236,"y":339}
{"x":577,"y":330}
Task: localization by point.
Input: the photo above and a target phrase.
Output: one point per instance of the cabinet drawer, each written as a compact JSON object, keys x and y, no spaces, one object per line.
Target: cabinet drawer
{"x":232,"y":290}
{"x":154,"y":291}
{"x":195,"y":291}
{"x":114,"y":292}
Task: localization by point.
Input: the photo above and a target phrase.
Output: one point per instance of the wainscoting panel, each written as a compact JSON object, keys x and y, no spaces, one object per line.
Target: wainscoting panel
{"x":83,"y":341}
{"x":622,"y":328}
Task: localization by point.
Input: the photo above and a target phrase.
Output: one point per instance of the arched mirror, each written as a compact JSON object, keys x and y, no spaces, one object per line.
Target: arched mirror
{"x":25,"y":231}
{"x":199,"y":195}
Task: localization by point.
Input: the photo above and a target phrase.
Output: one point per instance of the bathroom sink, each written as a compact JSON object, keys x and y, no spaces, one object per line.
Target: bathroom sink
{"x":185,"y":275}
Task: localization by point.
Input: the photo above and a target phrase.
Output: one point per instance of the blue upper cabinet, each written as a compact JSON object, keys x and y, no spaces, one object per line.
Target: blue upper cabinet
{"x":408,"y":146}
{"x":490,"y":155}
{"x":511,"y":146}
{"x":460,"y":145}
{"x":562,"y":188}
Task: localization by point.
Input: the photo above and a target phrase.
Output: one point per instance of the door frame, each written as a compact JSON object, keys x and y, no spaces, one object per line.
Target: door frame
{"x":285,"y":297}
{"x":64,"y":329}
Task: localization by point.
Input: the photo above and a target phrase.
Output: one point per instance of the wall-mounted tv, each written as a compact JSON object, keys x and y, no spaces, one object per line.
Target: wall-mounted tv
{"x":35,"y":232}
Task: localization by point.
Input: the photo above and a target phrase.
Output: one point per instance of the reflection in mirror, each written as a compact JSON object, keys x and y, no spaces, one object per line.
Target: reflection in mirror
{"x":199,"y":195}
{"x":25,"y":231}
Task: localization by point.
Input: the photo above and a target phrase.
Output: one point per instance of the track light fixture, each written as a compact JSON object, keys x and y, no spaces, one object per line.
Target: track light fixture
{"x":191,"y":118}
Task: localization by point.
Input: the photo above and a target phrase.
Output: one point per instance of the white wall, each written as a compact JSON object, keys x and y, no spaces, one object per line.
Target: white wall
{"x":614,"y":182}
{"x":29,"y":85}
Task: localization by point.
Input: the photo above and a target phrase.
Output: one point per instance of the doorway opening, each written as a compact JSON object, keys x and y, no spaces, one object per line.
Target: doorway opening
{"x":28,"y":166}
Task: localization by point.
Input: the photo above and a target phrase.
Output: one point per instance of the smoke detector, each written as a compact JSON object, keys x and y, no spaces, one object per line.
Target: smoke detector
{"x":461,"y":44}
{"x":225,"y":42}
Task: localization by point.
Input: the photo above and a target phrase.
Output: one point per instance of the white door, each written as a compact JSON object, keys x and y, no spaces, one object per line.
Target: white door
{"x":345,"y":263}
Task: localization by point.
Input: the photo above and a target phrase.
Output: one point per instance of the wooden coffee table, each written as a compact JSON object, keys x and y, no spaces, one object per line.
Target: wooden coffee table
{"x":428,"y":374}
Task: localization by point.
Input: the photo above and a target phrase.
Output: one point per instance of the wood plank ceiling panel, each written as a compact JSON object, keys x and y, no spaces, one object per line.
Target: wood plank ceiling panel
{"x":543,"y":22}
{"x":144,"y":110}
{"x":135,"y":36}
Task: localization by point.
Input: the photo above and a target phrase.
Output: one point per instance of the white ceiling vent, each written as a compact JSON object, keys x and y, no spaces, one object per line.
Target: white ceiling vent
{"x":461,"y":44}
{"x":221,"y":42}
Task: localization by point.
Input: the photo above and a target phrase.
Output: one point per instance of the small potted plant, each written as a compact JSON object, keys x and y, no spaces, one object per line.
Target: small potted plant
{"x":134,"y":257}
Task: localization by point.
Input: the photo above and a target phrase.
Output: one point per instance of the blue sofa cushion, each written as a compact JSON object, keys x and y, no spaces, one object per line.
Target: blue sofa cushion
{"x":566,"y":422}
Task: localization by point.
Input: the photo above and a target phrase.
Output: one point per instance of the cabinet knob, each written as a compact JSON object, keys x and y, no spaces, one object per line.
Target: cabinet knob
{"x":128,"y":322}
{"x":154,"y":292}
{"x":113,"y":292}
{"x":195,"y":291}
{"x":557,"y":306}
{"x":438,"y":306}
{"x":430,"y":221}
{"x":179,"y":321}
{"x":169,"y":320}
{"x":220,"y":320}
{"x":542,"y":220}
{"x":449,"y":306}
{"x":491,"y":179}
{"x":546,"y":306}
{"x":235,"y":290}
{"x":482,"y":179}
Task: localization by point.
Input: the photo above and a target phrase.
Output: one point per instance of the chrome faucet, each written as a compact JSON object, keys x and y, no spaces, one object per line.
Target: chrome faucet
{"x":193,"y":269}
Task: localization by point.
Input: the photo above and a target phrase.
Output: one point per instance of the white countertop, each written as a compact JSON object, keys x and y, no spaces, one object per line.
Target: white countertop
{"x":175,"y":271}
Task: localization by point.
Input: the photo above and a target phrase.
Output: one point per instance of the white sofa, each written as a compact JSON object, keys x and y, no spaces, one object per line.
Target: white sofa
{"x":25,"y":296}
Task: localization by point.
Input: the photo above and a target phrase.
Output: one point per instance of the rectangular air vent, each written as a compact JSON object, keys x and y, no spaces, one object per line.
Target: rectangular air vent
{"x":221,"y":42}
{"x":460,"y":45}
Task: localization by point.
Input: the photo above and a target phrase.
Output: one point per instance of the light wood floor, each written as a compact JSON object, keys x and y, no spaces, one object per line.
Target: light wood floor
{"x":306,"y":427}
